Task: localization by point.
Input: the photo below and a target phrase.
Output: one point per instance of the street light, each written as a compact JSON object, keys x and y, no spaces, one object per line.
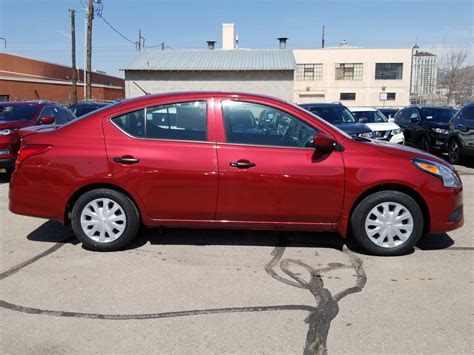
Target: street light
{"x":5,"y":40}
{"x":411,"y":72}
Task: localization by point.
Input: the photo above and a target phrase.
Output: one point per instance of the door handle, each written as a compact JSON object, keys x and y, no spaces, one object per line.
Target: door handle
{"x":241,"y":164}
{"x":126,"y":159}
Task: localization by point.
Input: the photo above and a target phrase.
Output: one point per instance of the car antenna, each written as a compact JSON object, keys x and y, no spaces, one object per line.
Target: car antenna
{"x":145,"y":92}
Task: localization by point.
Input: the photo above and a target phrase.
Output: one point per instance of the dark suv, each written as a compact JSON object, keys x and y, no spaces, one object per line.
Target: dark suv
{"x":84,"y":107}
{"x":425,"y":127}
{"x":461,"y":134}
{"x":339,"y":115}
{"x":16,"y":115}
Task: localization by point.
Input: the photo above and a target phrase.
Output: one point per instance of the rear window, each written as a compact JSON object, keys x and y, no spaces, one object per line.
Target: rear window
{"x":17,"y":112}
{"x":437,"y":114}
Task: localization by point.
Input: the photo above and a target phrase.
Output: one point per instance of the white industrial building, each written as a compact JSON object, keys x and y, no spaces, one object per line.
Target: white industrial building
{"x":353,"y":76}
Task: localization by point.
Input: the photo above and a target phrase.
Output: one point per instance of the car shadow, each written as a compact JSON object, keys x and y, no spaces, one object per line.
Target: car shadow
{"x":55,"y":232}
{"x":5,"y":178}
{"x":467,"y":163}
{"x":435,"y":242}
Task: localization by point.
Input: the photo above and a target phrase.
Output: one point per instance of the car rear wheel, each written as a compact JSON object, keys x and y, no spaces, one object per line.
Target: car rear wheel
{"x":425,"y":143}
{"x":387,"y":223}
{"x":454,"y":151}
{"x":105,"y":220}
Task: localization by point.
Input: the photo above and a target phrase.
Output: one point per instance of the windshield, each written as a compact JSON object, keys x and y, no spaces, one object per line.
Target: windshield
{"x":371,"y":116}
{"x":17,"y":112}
{"x":334,"y":115}
{"x":79,"y":111}
{"x":437,"y":114}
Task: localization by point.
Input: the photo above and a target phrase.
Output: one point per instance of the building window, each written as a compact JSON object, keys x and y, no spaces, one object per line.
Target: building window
{"x":309,"y":72}
{"x":388,"y":71}
{"x":348,"y":71}
{"x":391,"y":96}
{"x":347,"y":96}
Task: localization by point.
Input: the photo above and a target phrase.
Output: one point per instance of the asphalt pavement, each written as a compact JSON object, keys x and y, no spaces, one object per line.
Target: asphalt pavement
{"x":214,"y":291}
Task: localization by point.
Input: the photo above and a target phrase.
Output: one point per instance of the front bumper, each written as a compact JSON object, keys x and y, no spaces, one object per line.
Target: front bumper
{"x":7,"y":163}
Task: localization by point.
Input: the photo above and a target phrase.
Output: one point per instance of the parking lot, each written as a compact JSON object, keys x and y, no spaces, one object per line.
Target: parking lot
{"x":203,"y":291}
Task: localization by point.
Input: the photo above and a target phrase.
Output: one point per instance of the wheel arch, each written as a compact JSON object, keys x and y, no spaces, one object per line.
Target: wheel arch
{"x":93,"y":186}
{"x":393,"y":187}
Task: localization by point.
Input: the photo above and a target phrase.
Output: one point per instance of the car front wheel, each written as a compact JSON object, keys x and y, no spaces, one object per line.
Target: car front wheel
{"x":454,"y":151}
{"x":387,"y":223}
{"x":105,"y":220}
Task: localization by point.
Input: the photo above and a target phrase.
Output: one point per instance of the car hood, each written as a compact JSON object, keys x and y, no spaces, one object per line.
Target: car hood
{"x":353,"y":128}
{"x":382,"y":126}
{"x":407,"y":152}
{"x":15,"y":124}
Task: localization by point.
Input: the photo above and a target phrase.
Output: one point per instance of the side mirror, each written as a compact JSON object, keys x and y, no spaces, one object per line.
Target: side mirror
{"x":363,"y":120}
{"x":323,"y":143}
{"x":47,"y":120}
{"x":391,"y":119}
{"x":415,"y":119}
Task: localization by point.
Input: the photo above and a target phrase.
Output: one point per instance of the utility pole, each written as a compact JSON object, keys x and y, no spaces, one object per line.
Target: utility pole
{"x":162,"y":46}
{"x":322,"y":38}
{"x":90,"y":17}
{"x":73,"y":51}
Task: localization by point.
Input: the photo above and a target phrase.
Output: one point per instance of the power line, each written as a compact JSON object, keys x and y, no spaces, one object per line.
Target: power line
{"x":115,"y":29}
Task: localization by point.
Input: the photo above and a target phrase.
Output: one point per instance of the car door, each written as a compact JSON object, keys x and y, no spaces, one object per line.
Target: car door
{"x":268,"y":170}
{"x":409,"y":120}
{"x":166,"y":155}
{"x":464,"y":126}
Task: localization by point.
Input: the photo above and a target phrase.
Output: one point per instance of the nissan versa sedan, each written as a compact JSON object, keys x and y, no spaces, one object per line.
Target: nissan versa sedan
{"x":229,"y":160}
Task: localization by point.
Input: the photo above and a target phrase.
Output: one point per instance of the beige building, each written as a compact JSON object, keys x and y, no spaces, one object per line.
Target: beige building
{"x":353,"y":76}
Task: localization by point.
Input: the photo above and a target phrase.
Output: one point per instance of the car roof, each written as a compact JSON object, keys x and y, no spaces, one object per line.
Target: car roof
{"x":323,"y":104}
{"x":432,"y":107}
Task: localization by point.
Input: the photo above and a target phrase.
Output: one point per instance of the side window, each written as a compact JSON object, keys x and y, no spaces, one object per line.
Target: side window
{"x":132,"y":123}
{"x":468,"y":113}
{"x":47,"y":111}
{"x":179,"y":121}
{"x":250,"y":123}
{"x":413,"y":113}
{"x":62,"y":116}
{"x":402,"y":116}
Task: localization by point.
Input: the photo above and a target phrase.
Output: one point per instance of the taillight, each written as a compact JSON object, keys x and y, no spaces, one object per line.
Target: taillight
{"x":29,"y":150}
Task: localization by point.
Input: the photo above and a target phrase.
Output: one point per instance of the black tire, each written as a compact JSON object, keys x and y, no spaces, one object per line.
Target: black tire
{"x":425,"y":144}
{"x":362,"y":211}
{"x":132,"y":219}
{"x":455,"y":151}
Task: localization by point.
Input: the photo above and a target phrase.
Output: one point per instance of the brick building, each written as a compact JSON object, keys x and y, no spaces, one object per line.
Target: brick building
{"x":28,"y":79}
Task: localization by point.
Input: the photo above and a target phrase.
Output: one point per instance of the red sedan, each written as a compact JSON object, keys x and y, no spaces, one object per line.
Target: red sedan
{"x":20,"y":114}
{"x":225,"y":160}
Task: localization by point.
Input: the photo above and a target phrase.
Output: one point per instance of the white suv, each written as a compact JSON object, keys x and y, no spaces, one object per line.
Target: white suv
{"x":383,"y":129}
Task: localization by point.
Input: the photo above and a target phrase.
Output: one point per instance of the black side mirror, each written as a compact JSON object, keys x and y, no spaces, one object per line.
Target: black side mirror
{"x":415,"y":119}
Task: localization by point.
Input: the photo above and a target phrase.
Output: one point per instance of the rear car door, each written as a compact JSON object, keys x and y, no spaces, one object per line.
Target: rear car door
{"x":166,"y":155}
{"x":269,"y":172}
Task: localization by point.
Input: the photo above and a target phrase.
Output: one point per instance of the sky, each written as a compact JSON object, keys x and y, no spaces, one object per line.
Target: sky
{"x":40,"y":29}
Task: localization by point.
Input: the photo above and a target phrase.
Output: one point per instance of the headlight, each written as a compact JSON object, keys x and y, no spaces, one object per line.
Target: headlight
{"x":366,"y":135}
{"x":396,"y":131}
{"x":440,"y":130}
{"x":449,"y":177}
{"x":6,"y":132}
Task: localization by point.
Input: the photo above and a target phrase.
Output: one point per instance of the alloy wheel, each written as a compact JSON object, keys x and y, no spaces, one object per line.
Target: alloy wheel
{"x":454,"y":151}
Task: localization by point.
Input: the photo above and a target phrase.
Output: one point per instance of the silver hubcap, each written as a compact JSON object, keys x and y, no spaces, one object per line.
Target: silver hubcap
{"x":103,"y":220}
{"x":389,"y":224}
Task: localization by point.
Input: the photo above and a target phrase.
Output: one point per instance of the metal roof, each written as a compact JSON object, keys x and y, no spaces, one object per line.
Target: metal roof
{"x":213,"y":60}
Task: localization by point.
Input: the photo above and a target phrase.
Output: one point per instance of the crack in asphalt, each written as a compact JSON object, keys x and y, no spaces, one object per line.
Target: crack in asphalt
{"x":318,"y":320}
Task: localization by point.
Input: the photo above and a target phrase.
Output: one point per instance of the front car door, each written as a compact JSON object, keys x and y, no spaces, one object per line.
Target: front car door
{"x":270,"y":173}
{"x":465,"y":128}
{"x":165,"y":153}
{"x":409,"y":120}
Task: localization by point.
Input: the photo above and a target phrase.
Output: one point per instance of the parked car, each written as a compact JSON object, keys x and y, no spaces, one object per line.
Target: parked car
{"x":338,"y":115}
{"x":379,"y":124}
{"x":389,"y":112}
{"x":16,"y":115}
{"x":84,"y":107}
{"x":228,"y":160}
{"x":425,"y":127}
{"x":461,"y":135}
